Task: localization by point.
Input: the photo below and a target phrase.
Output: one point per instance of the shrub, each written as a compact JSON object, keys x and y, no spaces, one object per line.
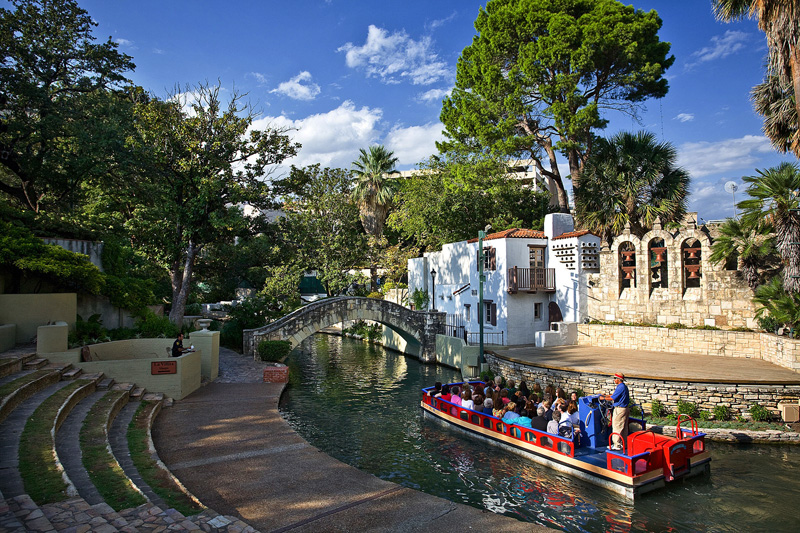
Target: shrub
{"x":657,"y":409}
{"x":721,"y":412}
{"x":87,"y":331}
{"x":705,"y":415}
{"x":273,"y":350}
{"x":375,"y":295}
{"x":194,"y":309}
{"x":713,"y":328}
{"x":675,"y":325}
{"x":419,"y":299}
{"x":487,"y":376}
{"x":768,"y":323}
{"x":153,"y":326}
{"x":760,"y":413}
{"x":688,"y":408}
{"x":636,"y":411}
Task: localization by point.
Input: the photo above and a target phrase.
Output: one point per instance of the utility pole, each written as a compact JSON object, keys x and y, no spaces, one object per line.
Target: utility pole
{"x":481,"y":279}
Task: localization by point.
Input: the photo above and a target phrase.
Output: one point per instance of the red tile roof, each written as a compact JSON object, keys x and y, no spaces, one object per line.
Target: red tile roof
{"x":570,"y":234}
{"x":514,"y":233}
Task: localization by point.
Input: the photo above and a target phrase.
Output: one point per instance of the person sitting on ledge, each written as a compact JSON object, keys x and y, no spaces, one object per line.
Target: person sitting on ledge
{"x":539,"y":422}
{"x":177,"y":346}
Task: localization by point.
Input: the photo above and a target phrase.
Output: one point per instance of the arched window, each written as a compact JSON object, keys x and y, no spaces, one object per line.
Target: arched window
{"x":627,"y":265}
{"x":691,"y":254}
{"x":658,"y":264}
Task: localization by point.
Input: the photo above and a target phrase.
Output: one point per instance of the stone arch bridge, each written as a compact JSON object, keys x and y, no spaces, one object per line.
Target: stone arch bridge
{"x":417,"y":328}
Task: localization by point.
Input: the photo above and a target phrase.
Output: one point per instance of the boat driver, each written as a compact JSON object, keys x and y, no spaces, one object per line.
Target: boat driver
{"x":619,"y":419}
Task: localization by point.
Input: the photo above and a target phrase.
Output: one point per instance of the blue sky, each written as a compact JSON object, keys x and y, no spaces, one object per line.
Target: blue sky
{"x":349,"y":73}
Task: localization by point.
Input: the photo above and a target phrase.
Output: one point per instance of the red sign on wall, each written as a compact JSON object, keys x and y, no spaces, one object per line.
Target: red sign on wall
{"x":163,"y":367}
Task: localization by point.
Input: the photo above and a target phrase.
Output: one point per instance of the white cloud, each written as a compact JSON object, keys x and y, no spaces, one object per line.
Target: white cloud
{"x":299,"y":88}
{"x":721,"y":47}
{"x":441,"y":22}
{"x":706,"y":158}
{"x":158,"y":51}
{"x":684,"y":117}
{"x":260,"y":78}
{"x":123,"y":42}
{"x":331,"y":139}
{"x":415,"y":143}
{"x":396,"y":56}
{"x":434,"y":95}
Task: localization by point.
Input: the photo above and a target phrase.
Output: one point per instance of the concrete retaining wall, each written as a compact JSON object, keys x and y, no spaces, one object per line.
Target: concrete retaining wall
{"x":738,"y":398}
{"x":8,"y":336}
{"x":29,"y":311}
{"x":766,"y":346}
{"x":455,"y":353}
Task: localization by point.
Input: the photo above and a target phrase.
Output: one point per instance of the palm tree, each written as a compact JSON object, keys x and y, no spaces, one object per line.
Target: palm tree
{"x":751,"y":247}
{"x":782,"y":306}
{"x":780,"y":21}
{"x":374,"y":187}
{"x":774,"y":200}
{"x":774,"y":100}
{"x":630,"y":178}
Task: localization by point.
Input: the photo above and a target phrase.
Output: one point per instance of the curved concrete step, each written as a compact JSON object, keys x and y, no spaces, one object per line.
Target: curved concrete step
{"x":24,"y":387}
{"x":10,"y":431}
{"x":68,"y":447}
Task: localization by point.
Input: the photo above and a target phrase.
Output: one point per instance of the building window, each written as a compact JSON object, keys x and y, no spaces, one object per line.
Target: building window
{"x":537,"y":311}
{"x":489,"y":312}
{"x":467,"y":313}
{"x":489,"y":259}
{"x":536,"y":255}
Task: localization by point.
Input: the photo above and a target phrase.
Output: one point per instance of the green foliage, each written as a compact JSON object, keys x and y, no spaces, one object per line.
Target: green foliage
{"x":657,"y":409}
{"x":89,"y":331}
{"x":705,"y":415}
{"x":194,"y":309}
{"x":273,"y":350}
{"x":487,"y":376}
{"x":635,"y":411}
{"x":371,"y":332}
{"x":153,"y":326}
{"x":768,"y":323}
{"x":676,"y":325}
{"x":375,"y":295}
{"x":722,"y":412}
{"x":759,"y":413}
{"x":249,"y":313}
{"x":688,"y":408}
{"x":749,"y":248}
{"x":420,"y":299}
{"x":778,"y":304}
{"x":538,"y":73}
{"x":374,"y":186}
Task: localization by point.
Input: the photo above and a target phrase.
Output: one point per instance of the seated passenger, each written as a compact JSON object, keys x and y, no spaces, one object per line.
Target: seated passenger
{"x":510,"y":415}
{"x":573,"y":396}
{"x":537,"y":390}
{"x":539,"y":421}
{"x":437,"y":390}
{"x":511,"y":387}
{"x":504,"y":396}
{"x":572,"y":409}
{"x":466,"y":400}
{"x":561,"y":393}
{"x":455,"y":397}
{"x":477,"y":401}
{"x":523,"y":389}
{"x":487,"y":406}
{"x":524,"y":419}
{"x":445,"y":395}
{"x":548,"y":409}
{"x":552,"y":426}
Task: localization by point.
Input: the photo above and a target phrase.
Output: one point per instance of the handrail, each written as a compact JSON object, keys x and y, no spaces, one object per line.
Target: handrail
{"x":681,"y":418}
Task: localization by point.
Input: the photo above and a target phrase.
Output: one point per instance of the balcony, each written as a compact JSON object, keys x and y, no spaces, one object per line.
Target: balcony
{"x":531,"y":280}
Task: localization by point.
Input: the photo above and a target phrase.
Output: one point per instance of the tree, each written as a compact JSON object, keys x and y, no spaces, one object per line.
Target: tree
{"x":780,"y":21}
{"x":203,"y":161}
{"x":454,"y":195}
{"x":631,"y":178}
{"x":751,"y":248}
{"x":540,"y":73}
{"x":321,"y":224}
{"x":774,"y":100}
{"x":774,"y":200}
{"x":58,"y":120}
{"x":374,"y":187}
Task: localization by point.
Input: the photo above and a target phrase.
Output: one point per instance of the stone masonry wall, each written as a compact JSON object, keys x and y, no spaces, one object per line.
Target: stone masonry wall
{"x":766,"y":346}
{"x":723,"y":299}
{"x":738,"y":398}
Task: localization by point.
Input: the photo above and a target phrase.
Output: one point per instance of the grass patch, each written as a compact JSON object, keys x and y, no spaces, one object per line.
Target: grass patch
{"x":158,"y":480}
{"x":37,"y":466}
{"x":104,"y":471}
{"x":12,"y":386}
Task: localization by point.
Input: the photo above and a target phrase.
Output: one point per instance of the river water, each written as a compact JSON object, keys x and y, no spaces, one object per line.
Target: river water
{"x":360,"y":404}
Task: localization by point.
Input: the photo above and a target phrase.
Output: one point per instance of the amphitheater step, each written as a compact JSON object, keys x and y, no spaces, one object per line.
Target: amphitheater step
{"x":29,"y":514}
{"x":153,"y":396}
{"x":123,"y":386}
{"x":106,"y":384}
{"x":72,"y":373}
{"x":10,"y":431}
{"x":35,"y":363}
{"x":68,"y":447}
{"x":137,"y":393}
{"x":17,"y":390}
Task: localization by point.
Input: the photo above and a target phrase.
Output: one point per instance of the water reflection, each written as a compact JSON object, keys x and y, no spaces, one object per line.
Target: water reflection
{"x":360,"y":404}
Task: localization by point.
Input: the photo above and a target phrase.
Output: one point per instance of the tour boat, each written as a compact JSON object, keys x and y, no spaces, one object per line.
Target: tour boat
{"x":648,"y":460}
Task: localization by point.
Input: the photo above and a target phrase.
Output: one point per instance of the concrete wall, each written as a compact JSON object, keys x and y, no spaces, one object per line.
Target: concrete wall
{"x":455,"y":353}
{"x":403,"y":344}
{"x":8,"y":336}
{"x":29,"y":311}
{"x":94,"y":250}
{"x":207,"y":342}
{"x":52,"y":338}
{"x":772,"y":348}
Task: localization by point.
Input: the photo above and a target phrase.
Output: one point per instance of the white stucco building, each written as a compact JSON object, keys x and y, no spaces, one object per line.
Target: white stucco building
{"x":533,"y":278}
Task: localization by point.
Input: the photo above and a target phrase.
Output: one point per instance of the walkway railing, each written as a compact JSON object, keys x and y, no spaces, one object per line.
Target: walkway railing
{"x":489,"y":337}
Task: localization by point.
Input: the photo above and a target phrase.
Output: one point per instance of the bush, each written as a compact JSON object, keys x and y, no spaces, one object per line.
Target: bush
{"x":194,"y":309}
{"x":375,"y":295}
{"x":87,"y":332}
{"x":675,"y":325}
{"x":705,"y":415}
{"x":688,"y":408}
{"x":769,"y":324}
{"x":760,"y":413}
{"x":636,"y":411}
{"x":721,"y":412}
{"x":153,"y":326}
{"x":419,"y":299}
{"x":273,"y":350}
{"x":487,"y":376}
{"x":657,"y":409}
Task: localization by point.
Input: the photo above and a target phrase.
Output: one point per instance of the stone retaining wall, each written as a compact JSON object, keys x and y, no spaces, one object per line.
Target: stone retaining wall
{"x":770,"y":436}
{"x":781,"y":351}
{"x":738,"y":398}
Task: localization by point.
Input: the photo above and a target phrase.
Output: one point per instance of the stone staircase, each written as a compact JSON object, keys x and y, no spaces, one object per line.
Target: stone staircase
{"x":28,"y":382}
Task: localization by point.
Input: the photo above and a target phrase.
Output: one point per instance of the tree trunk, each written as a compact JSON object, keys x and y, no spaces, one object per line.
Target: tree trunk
{"x":794,"y":63}
{"x":786,"y":236}
{"x":555,"y":177}
{"x":181,"y":283}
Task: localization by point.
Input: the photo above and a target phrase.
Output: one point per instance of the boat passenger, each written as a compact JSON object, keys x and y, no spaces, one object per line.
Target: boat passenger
{"x":551,"y":391}
{"x":537,"y":390}
{"x":523,"y":389}
{"x":487,"y":406}
{"x":512,"y":388}
{"x":539,"y":422}
{"x":523,"y":420}
{"x":548,"y":409}
{"x":499,"y":410}
{"x":552,"y":426}
{"x":437,"y":390}
{"x":455,"y":397}
{"x":445,"y":395}
{"x":510,"y":414}
{"x":573,"y":397}
{"x":466,"y":400}
{"x":560,"y":393}
{"x":572,"y":409}
{"x":504,"y":396}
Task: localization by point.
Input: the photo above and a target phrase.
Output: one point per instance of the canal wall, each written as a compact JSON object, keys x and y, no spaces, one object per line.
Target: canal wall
{"x":775,"y":349}
{"x":738,"y":398}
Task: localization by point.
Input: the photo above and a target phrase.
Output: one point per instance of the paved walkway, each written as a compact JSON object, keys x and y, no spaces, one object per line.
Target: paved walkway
{"x":650,"y":365}
{"x":229,"y":445}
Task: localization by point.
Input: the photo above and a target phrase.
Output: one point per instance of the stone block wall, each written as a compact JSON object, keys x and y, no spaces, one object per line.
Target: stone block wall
{"x":738,"y":398}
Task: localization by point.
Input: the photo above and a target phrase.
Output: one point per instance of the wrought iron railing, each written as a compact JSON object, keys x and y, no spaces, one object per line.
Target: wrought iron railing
{"x":454,"y":326}
{"x":489,"y":337}
{"x":531,"y":279}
